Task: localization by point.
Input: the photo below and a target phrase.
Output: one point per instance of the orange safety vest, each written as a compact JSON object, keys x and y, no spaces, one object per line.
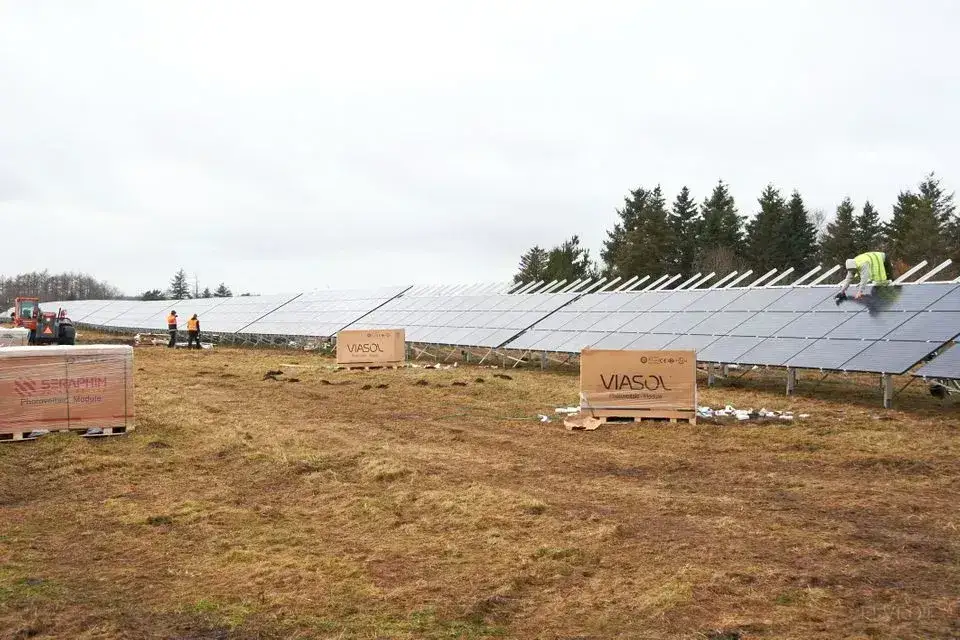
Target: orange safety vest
{"x":171,"y":321}
{"x":193,"y":324}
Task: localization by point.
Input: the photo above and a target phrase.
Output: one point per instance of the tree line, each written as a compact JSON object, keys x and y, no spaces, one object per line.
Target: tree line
{"x":653,"y":238}
{"x":180,"y":289}
{"x":56,"y":286}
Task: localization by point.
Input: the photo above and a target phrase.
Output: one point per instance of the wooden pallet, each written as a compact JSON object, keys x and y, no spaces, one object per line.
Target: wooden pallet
{"x":369,"y":367}
{"x":606,"y":416}
{"x":25,"y":435}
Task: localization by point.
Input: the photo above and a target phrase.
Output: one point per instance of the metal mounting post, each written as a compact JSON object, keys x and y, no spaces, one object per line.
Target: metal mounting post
{"x":711,"y":378}
{"x":791,"y":380}
{"x":886,"y":381}
{"x":543,"y":360}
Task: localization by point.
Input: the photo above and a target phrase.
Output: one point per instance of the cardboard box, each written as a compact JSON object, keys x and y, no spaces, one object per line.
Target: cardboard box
{"x":371,"y":347}
{"x":17,"y":337}
{"x":653,"y":381}
{"x":66,"y":387}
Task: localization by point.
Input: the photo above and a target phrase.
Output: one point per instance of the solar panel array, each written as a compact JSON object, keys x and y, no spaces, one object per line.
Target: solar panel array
{"x":320,"y":313}
{"x":470,"y":321}
{"x":789,"y":327}
{"x":801,"y":327}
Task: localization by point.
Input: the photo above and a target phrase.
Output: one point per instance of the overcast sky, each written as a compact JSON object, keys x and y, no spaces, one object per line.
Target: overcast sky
{"x":280,"y":146}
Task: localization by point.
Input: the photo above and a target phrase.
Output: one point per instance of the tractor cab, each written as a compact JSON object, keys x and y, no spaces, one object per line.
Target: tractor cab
{"x":26,"y":312}
{"x":45,"y":327}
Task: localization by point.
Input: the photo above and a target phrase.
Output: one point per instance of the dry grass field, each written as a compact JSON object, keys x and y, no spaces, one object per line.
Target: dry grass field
{"x":434,"y":504}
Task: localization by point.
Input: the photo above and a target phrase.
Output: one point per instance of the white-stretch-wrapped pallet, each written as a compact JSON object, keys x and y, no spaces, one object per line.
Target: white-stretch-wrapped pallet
{"x":66,"y":387}
{"x":16,"y":337}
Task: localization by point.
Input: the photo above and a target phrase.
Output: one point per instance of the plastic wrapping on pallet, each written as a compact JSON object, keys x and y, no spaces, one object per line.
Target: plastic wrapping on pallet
{"x":66,"y":387}
{"x":17,"y":337}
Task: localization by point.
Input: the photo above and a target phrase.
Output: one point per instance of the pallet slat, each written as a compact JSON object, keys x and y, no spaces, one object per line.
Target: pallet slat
{"x":25,"y":436}
{"x":368,"y":367}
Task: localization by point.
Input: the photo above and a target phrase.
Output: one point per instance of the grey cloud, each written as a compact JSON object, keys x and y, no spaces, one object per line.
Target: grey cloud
{"x":243,"y":141}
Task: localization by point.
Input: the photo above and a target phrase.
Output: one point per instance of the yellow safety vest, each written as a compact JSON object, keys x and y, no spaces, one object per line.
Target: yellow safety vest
{"x":875,"y":259}
{"x":193,"y":325}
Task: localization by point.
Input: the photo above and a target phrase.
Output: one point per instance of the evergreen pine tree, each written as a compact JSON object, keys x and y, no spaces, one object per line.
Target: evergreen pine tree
{"x":642,"y":243}
{"x":153,"y":294}
{"x":179,"y":286}
{"x":684,"y":222}
{"x":797,"y":237}
{"x":223,"y":291}
{"x":868,"y":231}
{"x":763,"y":242}
{"x":840,"y":237}
{"x":206,"y":293}
{"x":533,"y":265}
{"x":719,"y":233}
{"x":615,"y":251}
{"x":940,"y":202}
{"x":569,"y":261}
{"x":922,"y":225}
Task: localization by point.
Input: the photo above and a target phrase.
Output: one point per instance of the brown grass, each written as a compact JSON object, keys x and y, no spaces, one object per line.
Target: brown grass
{"x":251,"y":508}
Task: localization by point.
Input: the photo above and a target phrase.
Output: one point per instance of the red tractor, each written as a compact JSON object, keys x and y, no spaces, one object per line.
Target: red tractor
{"x":45,"y":327}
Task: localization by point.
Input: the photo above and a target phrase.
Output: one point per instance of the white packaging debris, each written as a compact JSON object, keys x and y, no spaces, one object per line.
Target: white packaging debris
{"x":746,"y":414}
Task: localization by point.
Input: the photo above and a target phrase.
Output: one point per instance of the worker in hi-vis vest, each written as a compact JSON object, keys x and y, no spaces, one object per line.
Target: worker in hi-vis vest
{"x":872,"y":266}
{"x":193,"y":331}
{"x":172,"y":328}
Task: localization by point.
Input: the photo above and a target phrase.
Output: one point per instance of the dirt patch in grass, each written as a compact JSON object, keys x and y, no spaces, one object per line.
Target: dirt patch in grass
{"x":243,"y":508}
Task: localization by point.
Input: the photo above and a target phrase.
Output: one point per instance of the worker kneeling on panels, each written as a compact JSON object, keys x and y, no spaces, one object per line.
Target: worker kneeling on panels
{"x":172,"y":328}
{"x":872,"y":266}
{"x":193,"y":331}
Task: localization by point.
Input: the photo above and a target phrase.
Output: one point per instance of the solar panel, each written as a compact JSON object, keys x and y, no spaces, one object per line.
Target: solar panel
{"x":93,"y":312}
{"x":325,"y":312}
{"x":679,"y":300}
{"x":869,"y":326}
{"x":802,"y":299}
{"x":651,"y":341}
{"x":584,"y":321}
{"x":813,"y":325}
{"x":553,"y":341}
{"x":642,"y":301}
{"x":234,"y":314}
{"x":728,"y":349}
{"x":697,"y":343}
{"x":764,"y":324}
{"x":528,"y":339}
{"x":680,"y":323}
{"x":914,"y":297}
{"x":933,"y":326}
{"x":949,"y":302}
{"x":612,"y":321}
{"x":755,"y":300}
{"x":616,"y":341}
{"x":946,"y":365}
{"x":775,"y":352}
{"x":887,"y":356}
{"x":150,"y":315}
{"x":716,"y":300}
{"x":610,"y":302}
{"x":722,"y":323}
{"x":580,"y":341}
{"x":827,"y":354}
{"x":645,"y":322}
